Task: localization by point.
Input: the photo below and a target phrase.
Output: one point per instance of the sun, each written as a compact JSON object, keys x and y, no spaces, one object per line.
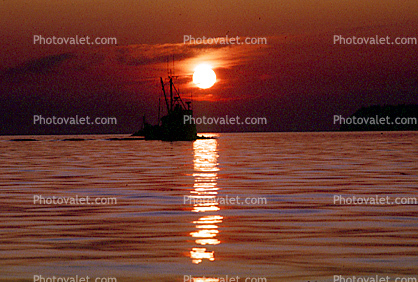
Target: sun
{"x":204,"y":77}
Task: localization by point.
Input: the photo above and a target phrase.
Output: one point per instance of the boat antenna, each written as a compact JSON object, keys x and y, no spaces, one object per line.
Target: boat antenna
{"x":168,"y":67}
{"x":173,"y":64}
{"x":171,"y":93}
{"x":165,"y":95}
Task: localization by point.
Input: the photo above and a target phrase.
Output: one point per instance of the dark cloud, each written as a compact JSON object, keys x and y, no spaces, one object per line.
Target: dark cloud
{"x":39,"y":66}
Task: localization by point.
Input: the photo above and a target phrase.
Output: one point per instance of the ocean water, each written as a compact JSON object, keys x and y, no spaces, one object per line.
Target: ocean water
{"x":166,"y":226}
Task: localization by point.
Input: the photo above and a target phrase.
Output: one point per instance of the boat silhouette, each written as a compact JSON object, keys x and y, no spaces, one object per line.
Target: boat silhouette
{"x":171,"y":126}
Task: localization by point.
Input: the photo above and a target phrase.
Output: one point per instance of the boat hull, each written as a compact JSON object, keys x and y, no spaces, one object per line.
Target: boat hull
{"x":172,"y":128}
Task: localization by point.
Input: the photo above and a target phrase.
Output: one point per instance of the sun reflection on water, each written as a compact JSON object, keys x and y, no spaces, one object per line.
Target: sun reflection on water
{"x":205,"y":175}
{"x":202,"y":279}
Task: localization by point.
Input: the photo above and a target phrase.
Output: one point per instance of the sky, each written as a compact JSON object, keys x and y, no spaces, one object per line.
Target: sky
{"x":298,"y":80}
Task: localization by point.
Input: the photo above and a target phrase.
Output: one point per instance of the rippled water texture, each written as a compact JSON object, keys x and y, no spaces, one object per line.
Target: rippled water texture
{"x":150,"y":234}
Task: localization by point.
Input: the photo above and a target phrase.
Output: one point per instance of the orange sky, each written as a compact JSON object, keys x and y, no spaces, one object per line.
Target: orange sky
{"x":157,"y":21}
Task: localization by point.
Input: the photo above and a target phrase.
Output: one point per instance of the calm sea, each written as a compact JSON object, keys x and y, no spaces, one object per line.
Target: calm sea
{"x":166,"y":225}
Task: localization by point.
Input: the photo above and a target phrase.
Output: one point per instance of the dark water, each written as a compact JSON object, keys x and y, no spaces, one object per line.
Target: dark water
{"x":150,"y":234}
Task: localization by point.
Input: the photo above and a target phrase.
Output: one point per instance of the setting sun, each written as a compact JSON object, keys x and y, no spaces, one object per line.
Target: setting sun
{"x":204,"y":77}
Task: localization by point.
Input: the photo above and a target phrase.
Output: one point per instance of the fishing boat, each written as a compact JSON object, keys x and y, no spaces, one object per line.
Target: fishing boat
{"x":171,"y":126}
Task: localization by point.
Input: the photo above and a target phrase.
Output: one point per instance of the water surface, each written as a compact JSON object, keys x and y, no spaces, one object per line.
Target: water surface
{"x":151,"y":234}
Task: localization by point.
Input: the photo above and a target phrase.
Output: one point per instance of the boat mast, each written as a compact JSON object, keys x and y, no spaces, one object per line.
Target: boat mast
{"x":171,"y":93}
{"x":165,"y":95}
{"x":171,"y":86}
{"x":159,"y":109}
